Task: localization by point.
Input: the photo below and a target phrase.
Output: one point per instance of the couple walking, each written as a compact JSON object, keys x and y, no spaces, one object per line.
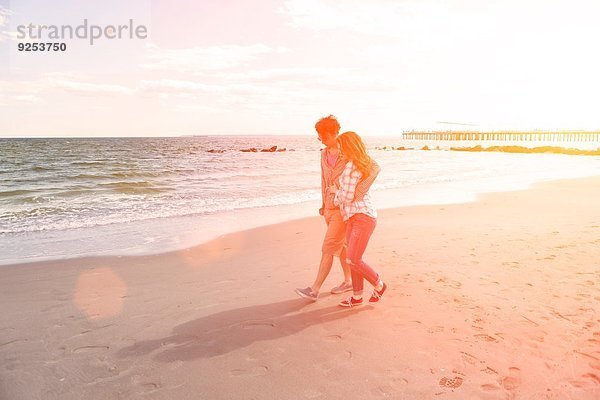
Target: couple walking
{"x":347,"y":173}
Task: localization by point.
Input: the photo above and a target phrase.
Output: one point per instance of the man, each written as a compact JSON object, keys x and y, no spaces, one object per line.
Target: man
{"x":332,"y":166}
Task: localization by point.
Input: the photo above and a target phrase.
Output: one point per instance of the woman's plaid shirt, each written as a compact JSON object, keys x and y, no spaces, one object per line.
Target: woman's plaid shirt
{"x":344,"y":197}
{"x":330,"y":176}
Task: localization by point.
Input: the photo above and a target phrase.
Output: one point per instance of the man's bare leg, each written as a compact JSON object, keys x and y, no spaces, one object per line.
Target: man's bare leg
{"x":325,"y":269}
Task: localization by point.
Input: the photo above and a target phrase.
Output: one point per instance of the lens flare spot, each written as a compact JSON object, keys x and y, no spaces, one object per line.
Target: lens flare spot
{"x":99,"y":293}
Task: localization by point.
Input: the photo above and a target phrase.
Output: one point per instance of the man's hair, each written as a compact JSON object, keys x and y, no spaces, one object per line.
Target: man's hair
{"x":328,"y":125}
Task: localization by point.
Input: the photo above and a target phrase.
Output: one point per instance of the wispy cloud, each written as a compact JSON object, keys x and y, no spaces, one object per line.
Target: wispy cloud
{"x":370,"y":17}
{"x":379,"y":17}
{"x":344,"y":79}
{"x":199,"y":59}
{"x":416,"y":20}
{"x":257,"y":88}
{"x":89,"y":89}
{"x":271,"y":91}
{"x":4,"y":15}
{"x":48,"y":84}
{"x":176,"y":86}
{"x":28,"y":98}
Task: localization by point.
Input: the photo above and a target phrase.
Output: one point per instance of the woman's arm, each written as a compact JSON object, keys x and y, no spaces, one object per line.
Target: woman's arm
{"x":363,"y":186}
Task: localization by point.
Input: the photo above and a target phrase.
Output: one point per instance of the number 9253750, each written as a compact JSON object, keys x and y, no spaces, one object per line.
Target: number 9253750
{"x":42,"y":47}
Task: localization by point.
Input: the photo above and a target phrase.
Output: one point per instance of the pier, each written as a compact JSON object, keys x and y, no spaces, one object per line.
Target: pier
{"x":540,"y":136}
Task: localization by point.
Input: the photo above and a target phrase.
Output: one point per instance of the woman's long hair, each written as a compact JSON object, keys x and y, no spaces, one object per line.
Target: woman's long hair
{"x":354,"y":149}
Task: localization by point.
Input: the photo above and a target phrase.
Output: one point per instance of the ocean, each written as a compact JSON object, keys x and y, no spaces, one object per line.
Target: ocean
{"x":72,"y":197}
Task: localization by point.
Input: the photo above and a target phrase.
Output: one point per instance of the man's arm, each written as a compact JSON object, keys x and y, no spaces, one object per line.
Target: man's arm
{"x":364,"y":185}
{"x":323,"y":188}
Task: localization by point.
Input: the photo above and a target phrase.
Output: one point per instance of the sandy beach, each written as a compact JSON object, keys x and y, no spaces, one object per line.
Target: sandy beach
{"x":496,"y":299}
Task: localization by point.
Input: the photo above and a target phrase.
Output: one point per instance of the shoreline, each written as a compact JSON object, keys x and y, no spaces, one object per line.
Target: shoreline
{"x":444,"y":193}
{"x":283,"y":224}
{"x":493,"y":299}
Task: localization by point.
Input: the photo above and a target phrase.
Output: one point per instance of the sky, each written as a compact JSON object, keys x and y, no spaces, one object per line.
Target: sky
{"x":273,"y":67}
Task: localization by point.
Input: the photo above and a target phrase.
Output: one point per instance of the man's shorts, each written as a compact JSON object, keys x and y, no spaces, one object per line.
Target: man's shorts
{"x":336,"y":232}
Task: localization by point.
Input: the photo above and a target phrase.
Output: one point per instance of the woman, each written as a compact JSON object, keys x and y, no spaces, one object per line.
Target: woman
{"x":360,"y":217}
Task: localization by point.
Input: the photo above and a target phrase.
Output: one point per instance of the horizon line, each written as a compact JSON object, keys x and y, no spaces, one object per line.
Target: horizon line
{"x":305,"y":134}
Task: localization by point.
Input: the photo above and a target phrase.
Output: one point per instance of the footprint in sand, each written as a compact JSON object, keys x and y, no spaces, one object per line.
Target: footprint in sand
{"x":449,"y":283}
{"x":254,"y":371}
{"x":593,"y":377}
{"x":538,"y":336}
{"x":469,"y":358}
{"x":595,"y":365}
{"x":12,"y":341}
{"x":258,"y":324}
{"x":512,"y":264}
{"x":382,"y":391}
{"x":452,"y":383}
{"x":485,"y":337}
{"x":145,"y":385}
{"x":490,"y":370}
{"x":224,"y":282}
{"x":151,"y":386}
{"x":87,"y":349}
{"x":395,"y":378}
{"x":513,"y":380}
{"x":489,"y":387}
{"x":436,"y":329}
{"x":587,"y":380}
{"x":587,"y":355}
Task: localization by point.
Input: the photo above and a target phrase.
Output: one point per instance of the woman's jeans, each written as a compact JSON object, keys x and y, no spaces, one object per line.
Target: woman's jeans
{"x":358,"y":231}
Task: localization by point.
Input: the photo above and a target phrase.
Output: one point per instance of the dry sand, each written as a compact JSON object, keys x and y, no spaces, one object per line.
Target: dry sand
{"x":497,"y":299}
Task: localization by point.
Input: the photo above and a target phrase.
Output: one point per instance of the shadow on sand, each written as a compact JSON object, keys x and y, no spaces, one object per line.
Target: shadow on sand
{"x":226,"y":331}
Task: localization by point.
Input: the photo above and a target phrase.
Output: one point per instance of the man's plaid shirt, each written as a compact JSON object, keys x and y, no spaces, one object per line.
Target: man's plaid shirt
{"x":345,"y":196}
